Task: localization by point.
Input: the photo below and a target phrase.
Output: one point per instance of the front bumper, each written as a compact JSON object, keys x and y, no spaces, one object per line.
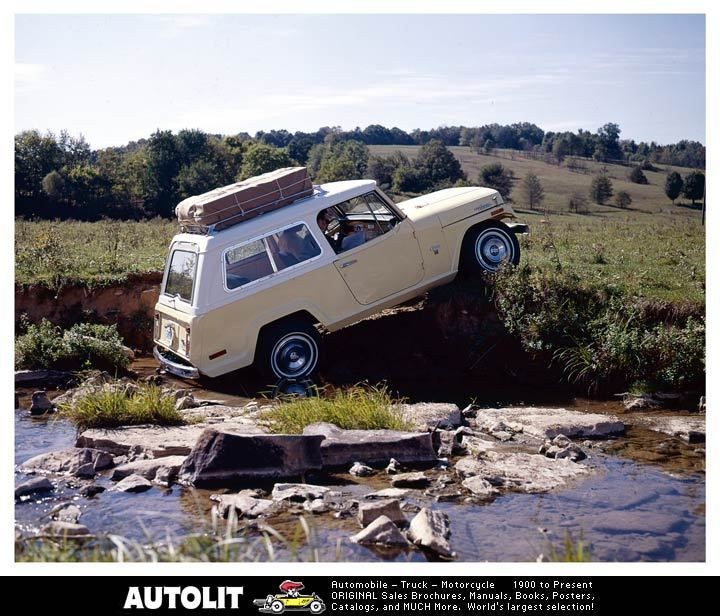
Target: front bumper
{"x":182,"y":370}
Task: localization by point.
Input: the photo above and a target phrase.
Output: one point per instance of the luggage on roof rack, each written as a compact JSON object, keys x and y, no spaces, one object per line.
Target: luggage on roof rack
{"x":229,"y":205}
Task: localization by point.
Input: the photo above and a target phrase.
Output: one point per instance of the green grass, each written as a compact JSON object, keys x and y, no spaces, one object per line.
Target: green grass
{"x":354,"y":408}
{"x":571,"y":551}
{"x":57,"y":253}
{"x":113,"y":407}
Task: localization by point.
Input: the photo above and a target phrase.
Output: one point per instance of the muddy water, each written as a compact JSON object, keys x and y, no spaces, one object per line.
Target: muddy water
{"x":635,"y":507}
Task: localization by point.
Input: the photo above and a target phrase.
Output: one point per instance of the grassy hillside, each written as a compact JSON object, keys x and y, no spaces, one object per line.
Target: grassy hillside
{"x":653,"y":249}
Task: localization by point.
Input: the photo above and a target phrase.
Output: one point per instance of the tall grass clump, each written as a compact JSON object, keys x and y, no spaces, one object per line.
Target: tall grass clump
{"x":354,"y":408}
{"x":110,"y":407}
{"x":601,"y":338}
{"x":82,"y":346}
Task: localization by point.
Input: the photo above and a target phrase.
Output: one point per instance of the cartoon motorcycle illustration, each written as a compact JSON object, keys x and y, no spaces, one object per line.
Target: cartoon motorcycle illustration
{"x":290,"y":599}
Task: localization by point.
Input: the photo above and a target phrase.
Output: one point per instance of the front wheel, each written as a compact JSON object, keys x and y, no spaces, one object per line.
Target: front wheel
{"x":289,"y":350}
{"x":317,"y":607}
{"x":487,"y":248}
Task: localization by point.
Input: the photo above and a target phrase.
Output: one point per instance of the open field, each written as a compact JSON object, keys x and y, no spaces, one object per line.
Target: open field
{"x":653,"y":249}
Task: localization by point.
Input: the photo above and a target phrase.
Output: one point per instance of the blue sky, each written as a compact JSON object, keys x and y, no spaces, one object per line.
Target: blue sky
{"x":115,"y":78}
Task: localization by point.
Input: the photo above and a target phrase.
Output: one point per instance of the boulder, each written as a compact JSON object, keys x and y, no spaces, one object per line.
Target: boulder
{"x":81,"y":462}
{"x":410,"y":480}
{"x":571,"y":452}
{"x":40,"y":404}
{"x":65,"y":512}
{"x":133,"y":483}
{"x":33,"y":486}
{"x":549,"y":422}
{"x":369,"y":512}
{"x":342,"y":447}
{"x":149,"y":468}
{"x":243,"y":504}
{"x":642,"y":402}
{"x":479,"y":486}
{"x":393,"y":467}
{"x":298,"y":492}
{"x":358,"y":469}
{"x":431,"y":415}
{"x":225,"y":458}
{"x":431,"y":530}
{"x":159,"y":441}
{"x":381,"y":531}
{"x":67,"y":530}
{"x":317,"y":505}
{"x":522,"y":472}
{"x":91,"y":490}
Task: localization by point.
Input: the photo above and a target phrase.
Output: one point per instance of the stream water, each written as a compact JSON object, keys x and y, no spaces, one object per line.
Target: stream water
{"x":634,"y":507}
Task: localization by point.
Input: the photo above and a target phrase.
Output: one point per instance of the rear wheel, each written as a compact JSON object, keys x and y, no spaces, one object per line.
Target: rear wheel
{"x":289,"y":350}
{"x":488,"y":248}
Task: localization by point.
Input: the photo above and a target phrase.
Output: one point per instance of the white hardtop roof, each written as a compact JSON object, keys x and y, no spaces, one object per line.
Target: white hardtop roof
{"x":324,"y":195}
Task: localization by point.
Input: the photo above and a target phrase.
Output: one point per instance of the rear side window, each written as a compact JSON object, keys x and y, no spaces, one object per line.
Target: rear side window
{"x":181,"y":275}
{"x":275,"y":252}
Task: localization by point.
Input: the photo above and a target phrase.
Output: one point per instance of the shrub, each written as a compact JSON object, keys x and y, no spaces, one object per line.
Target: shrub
{"x":601,"y":189}
{"x":636,"y":176}
{"x":110,"y":407}
{"x":498,"y":177}
{"x":623,"y":199}
{"x":82,"y":346}
{"x":354,"y":408}
{"x":673,"y":185}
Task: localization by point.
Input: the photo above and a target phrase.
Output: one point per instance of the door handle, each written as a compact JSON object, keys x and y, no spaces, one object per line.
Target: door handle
{"x":348,"y":263}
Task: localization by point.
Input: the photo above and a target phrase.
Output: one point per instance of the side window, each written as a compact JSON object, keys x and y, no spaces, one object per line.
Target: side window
{"x":361,"y":219}
{"x":246,"y":263}
{"x":292,"y":246}
{"x":273,"y":253}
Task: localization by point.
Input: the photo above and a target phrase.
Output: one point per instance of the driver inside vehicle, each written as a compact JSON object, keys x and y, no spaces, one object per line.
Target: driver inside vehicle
{"x":353,"y":235}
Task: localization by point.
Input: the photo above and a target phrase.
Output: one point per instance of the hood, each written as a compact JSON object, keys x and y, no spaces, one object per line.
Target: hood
{"x":451,"y":204}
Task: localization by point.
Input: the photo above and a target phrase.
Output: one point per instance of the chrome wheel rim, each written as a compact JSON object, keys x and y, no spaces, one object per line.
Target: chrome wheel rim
{"x":492,"y":249}
{"x":294,"y":356}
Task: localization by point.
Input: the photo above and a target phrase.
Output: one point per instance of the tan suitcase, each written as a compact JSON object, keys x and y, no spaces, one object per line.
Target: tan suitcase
{"x":229,"y":205}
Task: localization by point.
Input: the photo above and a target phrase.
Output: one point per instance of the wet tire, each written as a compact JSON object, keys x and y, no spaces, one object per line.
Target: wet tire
{"x":289,"y":350}
{"x":488,"y":248}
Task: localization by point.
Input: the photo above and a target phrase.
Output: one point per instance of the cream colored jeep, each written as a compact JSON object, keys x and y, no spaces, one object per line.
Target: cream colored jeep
{"x":255,"y":293}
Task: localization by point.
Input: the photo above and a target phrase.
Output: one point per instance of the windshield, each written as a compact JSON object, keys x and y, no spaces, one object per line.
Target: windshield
{"x":181,"y":275}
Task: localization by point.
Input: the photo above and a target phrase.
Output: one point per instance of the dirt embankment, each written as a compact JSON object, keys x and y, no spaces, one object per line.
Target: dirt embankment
{"x":127,"y":304}
{"x":448,"y":345}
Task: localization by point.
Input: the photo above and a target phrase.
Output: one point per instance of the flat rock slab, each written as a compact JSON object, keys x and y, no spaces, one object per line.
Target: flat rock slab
{"x":689,"y":429}
{"x":222,"y":458}
{"x":35,"y":378}
{"x":343,"y":447}
{"x":430,"y":415}
{"x":158,"y":441}
{"x":523,"y":472}
{"x":410,"y":480}
{"x":549,"y":422}
{"x":148,"y":468}
{"x":68,"y":530}
{"x":244,"y":505}
{"x":69,"y":461}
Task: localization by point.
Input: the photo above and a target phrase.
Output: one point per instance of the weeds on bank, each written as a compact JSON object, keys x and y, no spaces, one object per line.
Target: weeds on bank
{"x":83,"y":345}
{"x":113,"y":407}
{"x":354,"y":408}
{"x":223,"y":544}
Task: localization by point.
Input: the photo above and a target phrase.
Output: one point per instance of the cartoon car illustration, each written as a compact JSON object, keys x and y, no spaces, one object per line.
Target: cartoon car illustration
{"x":290,"y":599}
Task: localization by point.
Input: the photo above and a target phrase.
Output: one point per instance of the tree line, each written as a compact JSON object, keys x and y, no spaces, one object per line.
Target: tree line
{"x":61,"y":176}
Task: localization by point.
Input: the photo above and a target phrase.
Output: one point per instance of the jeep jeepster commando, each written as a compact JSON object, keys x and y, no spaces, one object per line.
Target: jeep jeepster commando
{"x":256,"y":292}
